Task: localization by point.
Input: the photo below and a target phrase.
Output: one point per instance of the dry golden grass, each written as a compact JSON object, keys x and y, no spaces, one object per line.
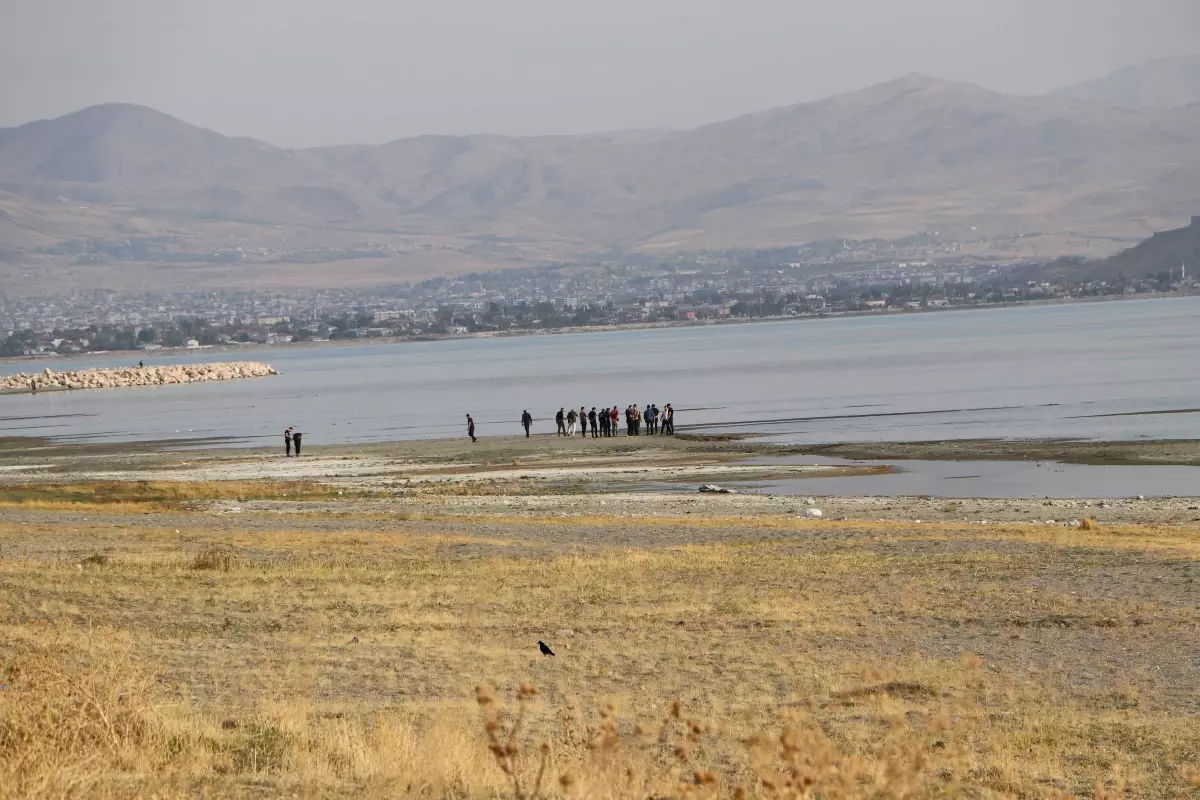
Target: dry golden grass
{"x":124,"y":496}
{"x":403,"y":661}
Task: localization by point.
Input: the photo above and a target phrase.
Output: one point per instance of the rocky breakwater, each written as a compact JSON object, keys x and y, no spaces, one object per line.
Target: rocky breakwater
{"x":50,"y":380}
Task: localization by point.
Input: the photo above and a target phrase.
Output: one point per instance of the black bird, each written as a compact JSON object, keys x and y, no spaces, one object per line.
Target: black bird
{"x":545,"y":648}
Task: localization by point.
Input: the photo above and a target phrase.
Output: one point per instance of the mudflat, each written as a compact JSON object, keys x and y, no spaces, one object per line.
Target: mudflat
{"x":365,"y":621}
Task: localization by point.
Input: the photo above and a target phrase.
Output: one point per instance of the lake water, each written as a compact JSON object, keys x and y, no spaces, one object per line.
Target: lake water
{"x":1088,"y":370}
{"x":991,"y":479}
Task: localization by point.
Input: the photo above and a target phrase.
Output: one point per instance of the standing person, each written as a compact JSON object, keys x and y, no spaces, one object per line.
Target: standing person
{"x":583,"y":421}
{"x":650,"y":419}
{"x":296,"y":437}
{"x":592,"y":418}
{"x":668,"y":420}
{"x":571,"y":422}
{"x":629,"y":421}
{"x":287,"y":442}
{"x":604,"y":422}
{"x":471,"y":428}
{"x":561,"y":420}
{"x":526,"y":421}
{"x":637,"y":420}
{"x":614,"y":422}
{"x":33,"y":386}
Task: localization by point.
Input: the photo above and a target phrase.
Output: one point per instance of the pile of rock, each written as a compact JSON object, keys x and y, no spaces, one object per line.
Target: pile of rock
{"x":135,"y":376}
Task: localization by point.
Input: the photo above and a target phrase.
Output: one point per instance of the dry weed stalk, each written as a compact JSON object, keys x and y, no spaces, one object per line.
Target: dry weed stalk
{"x":504,"y":745}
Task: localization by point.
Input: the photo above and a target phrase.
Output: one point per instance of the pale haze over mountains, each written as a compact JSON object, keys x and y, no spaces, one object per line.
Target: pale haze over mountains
{"x":913,"y":154}
{"x":1161,"y":83}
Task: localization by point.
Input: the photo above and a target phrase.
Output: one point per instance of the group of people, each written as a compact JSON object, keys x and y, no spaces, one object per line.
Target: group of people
{"x":607,"y":421}
{"x":291,"y":440}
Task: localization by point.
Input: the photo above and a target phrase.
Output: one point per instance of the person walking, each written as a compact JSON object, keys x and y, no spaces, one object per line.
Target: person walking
{"x":571,"y":422}
{"x":296,"y":437}
{"x":583,"y":421}
{"x":593,"y":421}
{"x":471,"y":428}
{"x":526,"y":421}
{"x":560,"y":419}
{"x":614,"y":422}
{"x":287,"y":442}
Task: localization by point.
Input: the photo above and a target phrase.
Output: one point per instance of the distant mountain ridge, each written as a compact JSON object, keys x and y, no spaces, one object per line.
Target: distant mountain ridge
{"x":1162,"y":83}
{"x":905,"y":156}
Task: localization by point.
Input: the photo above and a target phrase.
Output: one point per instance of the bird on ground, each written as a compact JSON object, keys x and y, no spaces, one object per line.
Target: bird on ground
{"x":545,"y":648}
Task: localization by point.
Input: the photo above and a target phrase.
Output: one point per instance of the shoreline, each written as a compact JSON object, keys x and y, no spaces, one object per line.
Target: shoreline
{"x":1154,"y":452}
{"x":548,"y":475}
{"x":259,"y":347}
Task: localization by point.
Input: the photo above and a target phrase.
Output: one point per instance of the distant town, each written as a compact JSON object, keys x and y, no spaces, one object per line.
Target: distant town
{"x":819,"y":279}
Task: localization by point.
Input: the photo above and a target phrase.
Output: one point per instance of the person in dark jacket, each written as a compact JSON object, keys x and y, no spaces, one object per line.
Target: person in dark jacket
{"x":593,"y":421}
{"x":560,"y":419}
{"x":526,"y":421}
{"x":583,"y":421}
{"x":471,"y":428}
{"x":287,"y":442}
{"x":296,"y":442}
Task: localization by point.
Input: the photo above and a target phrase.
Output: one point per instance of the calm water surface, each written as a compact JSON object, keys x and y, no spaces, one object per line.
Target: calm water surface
{"x":1089,"y":370}
{"x":993,"y":479}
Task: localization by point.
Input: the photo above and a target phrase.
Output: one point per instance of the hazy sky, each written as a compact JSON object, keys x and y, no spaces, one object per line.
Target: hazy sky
{"x":305,"y":72}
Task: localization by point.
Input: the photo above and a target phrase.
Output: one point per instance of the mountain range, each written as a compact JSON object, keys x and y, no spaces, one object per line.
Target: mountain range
{"x":910,"y":155}
{"x":1162,"y":83}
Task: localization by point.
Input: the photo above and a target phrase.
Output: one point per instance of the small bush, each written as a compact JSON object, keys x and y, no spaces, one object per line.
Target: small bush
{"x":215,"y":558}
{"x":1089,"y":524}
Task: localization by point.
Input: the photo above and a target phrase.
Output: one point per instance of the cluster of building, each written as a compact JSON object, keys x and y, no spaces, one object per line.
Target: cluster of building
{"x":708,"y":286}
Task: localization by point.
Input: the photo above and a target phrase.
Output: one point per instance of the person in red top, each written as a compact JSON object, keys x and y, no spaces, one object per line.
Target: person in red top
{"x":615,"y":416}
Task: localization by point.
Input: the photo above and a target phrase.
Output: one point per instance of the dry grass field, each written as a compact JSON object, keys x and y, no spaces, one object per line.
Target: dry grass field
{"x":151,"y":648}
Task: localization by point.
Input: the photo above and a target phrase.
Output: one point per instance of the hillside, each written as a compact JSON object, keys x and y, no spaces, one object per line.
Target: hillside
{"x":906,"y":156}
{"x":1162,"y":83}
{"x":1165,"y":251}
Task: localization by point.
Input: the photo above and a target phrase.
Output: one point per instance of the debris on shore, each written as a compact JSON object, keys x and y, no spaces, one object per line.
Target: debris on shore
{"x":121,"y":377}
{"x":712,"y":488}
